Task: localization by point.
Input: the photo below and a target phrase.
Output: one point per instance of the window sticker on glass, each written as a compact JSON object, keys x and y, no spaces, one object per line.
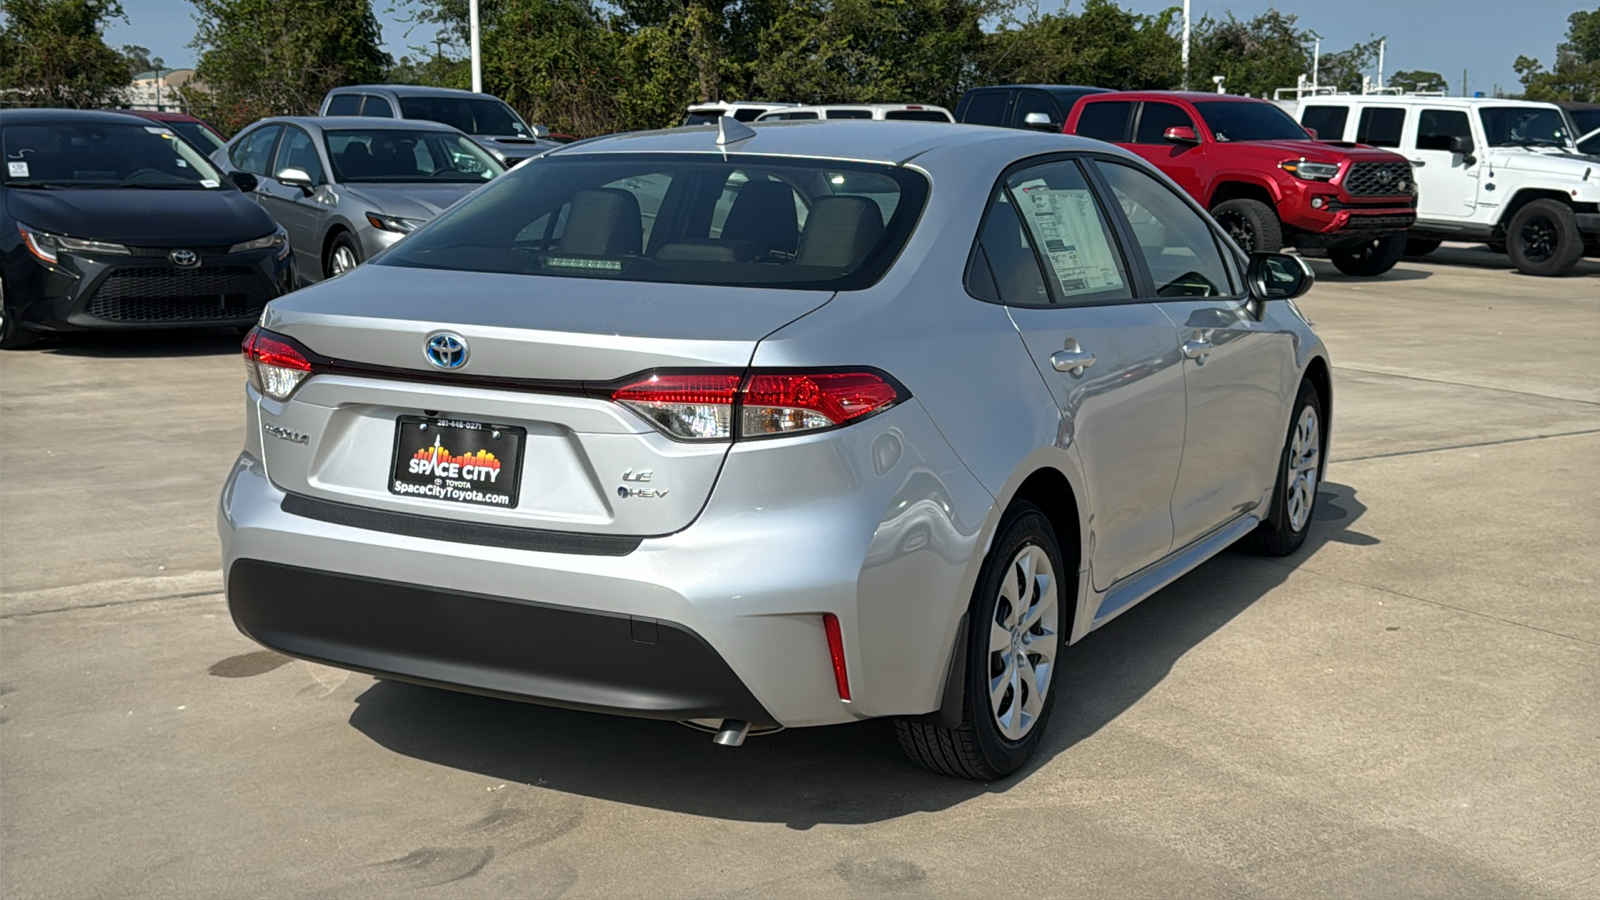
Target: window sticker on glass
{"x":1067,"y":224}
{"x":17,"y":169}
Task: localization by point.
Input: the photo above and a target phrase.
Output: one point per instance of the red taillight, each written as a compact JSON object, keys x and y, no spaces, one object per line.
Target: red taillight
{"x":713,"y":405}
{"x":276,"y":366}
{"x":841,"y":677}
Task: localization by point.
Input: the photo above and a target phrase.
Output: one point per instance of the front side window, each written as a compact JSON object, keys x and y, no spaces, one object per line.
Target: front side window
{"x":474,"y":115}
{"x":1177,"y":244}
{"x":393,"y":155}
{"x":1381,"y":126}
{"x":103,"y":155}
{"x":681,"y":219}
{"x":298,"y":152}
{"x":1436,"y":127}
{"x":1327,"y":121}
{"x":1070,"y":232}
{"x":1244,"y":120}
{"x":1156,"y":119}
{"x":253,"y":152}
{"x":1029,"y":102}
{"x":1105,"y":120}
{"x":1524,"y":126}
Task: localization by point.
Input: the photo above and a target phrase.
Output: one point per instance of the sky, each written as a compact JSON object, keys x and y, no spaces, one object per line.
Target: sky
{"x":1444,"y":36}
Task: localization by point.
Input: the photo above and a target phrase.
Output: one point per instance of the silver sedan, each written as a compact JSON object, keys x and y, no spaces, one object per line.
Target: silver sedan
{"x":346,"y":188}
{"x":774,"y":427}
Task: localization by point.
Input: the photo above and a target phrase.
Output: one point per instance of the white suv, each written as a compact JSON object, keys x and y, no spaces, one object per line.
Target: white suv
{"x":912,"y":112}
{"x":1505,"y":172}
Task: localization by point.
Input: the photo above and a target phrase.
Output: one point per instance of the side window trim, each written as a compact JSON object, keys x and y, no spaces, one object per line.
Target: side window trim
{"x":1140,"y":284}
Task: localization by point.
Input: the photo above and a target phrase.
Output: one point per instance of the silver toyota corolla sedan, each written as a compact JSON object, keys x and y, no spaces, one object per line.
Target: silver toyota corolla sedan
{"x":790,"y":425}
{"x":346,"y":187}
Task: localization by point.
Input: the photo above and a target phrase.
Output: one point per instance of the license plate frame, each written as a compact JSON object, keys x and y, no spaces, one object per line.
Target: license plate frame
{"x":464,"y":475}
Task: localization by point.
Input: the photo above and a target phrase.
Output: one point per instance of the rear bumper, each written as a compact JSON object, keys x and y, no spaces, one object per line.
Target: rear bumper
{"x":495,"y":646}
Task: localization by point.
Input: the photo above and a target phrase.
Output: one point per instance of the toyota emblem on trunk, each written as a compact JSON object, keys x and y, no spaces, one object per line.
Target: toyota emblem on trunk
{"x":446,"y":351}
{"x":185,"y":258}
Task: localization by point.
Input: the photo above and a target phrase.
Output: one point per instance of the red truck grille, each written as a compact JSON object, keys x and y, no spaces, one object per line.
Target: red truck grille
{"x":1375,"y":179}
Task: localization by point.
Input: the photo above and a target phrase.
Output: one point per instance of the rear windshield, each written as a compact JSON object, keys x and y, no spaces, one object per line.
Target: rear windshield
{"x":1238,"y":120}
{"x":916,"y":115}
{"x":474,"y":115}
{"x":132,"y":155}
{"x":679,"y":219}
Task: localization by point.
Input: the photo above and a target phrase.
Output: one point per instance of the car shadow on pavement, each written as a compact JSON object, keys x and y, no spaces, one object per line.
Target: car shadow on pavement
{"x":140,"y":344}
{"x":1326,"y":272}
{"x":845,"y":774}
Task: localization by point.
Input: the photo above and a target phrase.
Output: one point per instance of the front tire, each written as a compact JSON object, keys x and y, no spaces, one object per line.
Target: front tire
{"x":12,"y":333}
{"x":1543,"y":238}
{"x":343,"y":255}
{"x":1369,"y":258}
{"x":1294,"y":498}
{"x":1253,"y":225}
{"x":1017,"y":616}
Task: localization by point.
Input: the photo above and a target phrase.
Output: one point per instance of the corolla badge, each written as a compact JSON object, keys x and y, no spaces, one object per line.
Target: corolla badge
{"x":446,"y":350}
{"x":185,"y":258}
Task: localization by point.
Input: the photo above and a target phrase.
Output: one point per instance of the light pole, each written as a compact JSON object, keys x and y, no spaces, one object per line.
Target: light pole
{"x":477,"y":61}
{"x":1186,"y":44}
{"x":158,"y":62}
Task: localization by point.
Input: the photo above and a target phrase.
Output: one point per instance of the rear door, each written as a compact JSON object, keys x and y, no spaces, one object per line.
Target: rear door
{"x":1236,"y":369}
{"x":1048,"y":254}
{"x":1447,"y":187}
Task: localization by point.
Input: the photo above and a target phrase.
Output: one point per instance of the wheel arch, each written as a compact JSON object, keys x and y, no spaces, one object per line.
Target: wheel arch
{"x":1523,"y":198}
{"x":1320,"y":375}
{"x":1235,"y":188}
{"x":336,"y":228}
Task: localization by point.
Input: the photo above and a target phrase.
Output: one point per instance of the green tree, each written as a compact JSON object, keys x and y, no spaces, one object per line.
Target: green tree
{"x":1419,"y":80}
{"x":272,"y":57}
{"x":53,"y":52}
{"x":1576,"y":73}
{"x":1104,"y":45}
{"x":1254,"y":57}
{"x":1345,"y":69}
{"x":137,"y":59}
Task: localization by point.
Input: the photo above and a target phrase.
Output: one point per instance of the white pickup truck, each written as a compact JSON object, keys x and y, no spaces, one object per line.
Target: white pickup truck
{"x":1505,"y":172}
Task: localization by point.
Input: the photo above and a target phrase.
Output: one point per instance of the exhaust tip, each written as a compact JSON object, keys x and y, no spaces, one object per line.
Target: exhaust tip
{"x":732,"y":733}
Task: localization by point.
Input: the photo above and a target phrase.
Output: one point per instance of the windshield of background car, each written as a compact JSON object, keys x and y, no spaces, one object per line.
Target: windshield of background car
{"x":198,"y":135}
{"x":1586,"y":120}
{"x":100,"y":155}
{"x":478,"y":115}
{"x":1235,"y":120}
{"x":681,"y":219}
{"x":395,"y":156}
{"x":1524,"y":126}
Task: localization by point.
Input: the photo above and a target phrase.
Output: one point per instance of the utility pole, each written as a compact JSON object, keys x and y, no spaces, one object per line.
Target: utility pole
{"x":1381,"y":43}
{"x":1463,"y":82}
{"x":1186,"y":44}
{"x":1316,"y":62}
{"x":477,"y":59}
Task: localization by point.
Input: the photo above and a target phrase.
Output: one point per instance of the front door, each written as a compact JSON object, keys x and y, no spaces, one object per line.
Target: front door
{"x":1180,"y":162}
{"x":1447,"y":186}
{"x":299,"y":213}
{"x":1235,"y":369}
{"x":1111,"y":363}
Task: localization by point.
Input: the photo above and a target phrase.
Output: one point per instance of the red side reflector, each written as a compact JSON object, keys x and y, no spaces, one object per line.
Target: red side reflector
{"x":841,"y":678}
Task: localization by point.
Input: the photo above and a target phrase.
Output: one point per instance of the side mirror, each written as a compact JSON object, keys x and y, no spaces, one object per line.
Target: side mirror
{"x":1462,"y":144}
{"x":1040,"y":121}
{"x":1180,"y":134}
{"x":296,"y":178}
{"x":244,"y":181}
{"x":1310,"y":131}
{"x":540,"y":132}
{"x":1279,"y":276}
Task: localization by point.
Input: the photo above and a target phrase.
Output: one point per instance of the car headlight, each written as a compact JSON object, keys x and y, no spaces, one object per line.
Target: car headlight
{"x":397,"y":224}
{"x":48,"y":247}
{"x":278,"y":239}
{"x":1310,"y":171}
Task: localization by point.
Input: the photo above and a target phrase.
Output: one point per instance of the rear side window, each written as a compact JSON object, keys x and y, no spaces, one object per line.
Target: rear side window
{"x":1069,"y":229}
{"x":1381,"y":126}
{"x":1003,"y":268}
{"x":986,"y":109}
{"x":1326,"y":121}
{"x":344,"y":105}
{"x":377,"y":108}
{"x":1436,"y":127}
{"x":253,"y":153}
{"x":681,"y":219}
{"x":748,"y":115}
{"x":1156,"y":119}
{"x":1106,"y":120}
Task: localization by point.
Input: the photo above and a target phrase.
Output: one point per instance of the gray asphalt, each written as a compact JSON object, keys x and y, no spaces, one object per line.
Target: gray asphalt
{"x":1410,"y":707}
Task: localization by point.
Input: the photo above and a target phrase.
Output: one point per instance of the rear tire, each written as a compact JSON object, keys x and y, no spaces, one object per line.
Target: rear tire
{"x":1543,"y":238}
{"x":1421,"y":246}
{"x":1294,"y":498}
{"x":1018,"y":613}
{"x":13,"y":335}
{"x":1253,"y":225}
{"x":1369,"y":258}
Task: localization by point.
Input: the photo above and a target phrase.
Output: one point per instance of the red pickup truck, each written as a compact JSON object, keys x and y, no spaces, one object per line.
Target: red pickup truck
{"x":1263,"y":177}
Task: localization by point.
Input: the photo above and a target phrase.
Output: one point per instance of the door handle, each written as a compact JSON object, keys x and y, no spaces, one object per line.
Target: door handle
{"x":1419,"y":163}
{"x":1071,"y":360}
{"x":1197,"y":349}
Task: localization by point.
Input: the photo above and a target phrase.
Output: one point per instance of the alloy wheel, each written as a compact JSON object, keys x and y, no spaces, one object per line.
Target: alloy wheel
{"x":1239,"y":230}
{"x":1022,"y":642}
{"x":1305,"y":461}
{"x":344,"y":259}
{"x":1539,"y":239}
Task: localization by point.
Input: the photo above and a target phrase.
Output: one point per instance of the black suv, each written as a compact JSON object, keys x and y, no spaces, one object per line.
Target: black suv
{"x":1037,"y":107}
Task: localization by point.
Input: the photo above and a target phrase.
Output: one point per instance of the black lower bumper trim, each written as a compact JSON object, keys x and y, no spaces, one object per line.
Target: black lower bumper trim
{"x":550,"y":655}
{"x":438,"y":529}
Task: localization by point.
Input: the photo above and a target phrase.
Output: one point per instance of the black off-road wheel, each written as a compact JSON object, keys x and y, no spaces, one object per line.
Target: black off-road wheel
{"x":1018,"y":614}
{"x":1543,"y":238}
{"x":1368,"y":258}
{"x":1294,"y":498}
{"x":1253,"y":225}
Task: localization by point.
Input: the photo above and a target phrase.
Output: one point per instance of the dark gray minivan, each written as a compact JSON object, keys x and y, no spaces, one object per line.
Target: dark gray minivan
{"x":490,"y":121}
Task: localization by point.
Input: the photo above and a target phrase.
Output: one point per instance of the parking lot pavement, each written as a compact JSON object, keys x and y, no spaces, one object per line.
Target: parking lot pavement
{"x":1405,"y":708}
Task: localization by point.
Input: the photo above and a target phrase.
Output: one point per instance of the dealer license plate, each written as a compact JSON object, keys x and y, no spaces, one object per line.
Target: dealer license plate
{"x":457,"y":461}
